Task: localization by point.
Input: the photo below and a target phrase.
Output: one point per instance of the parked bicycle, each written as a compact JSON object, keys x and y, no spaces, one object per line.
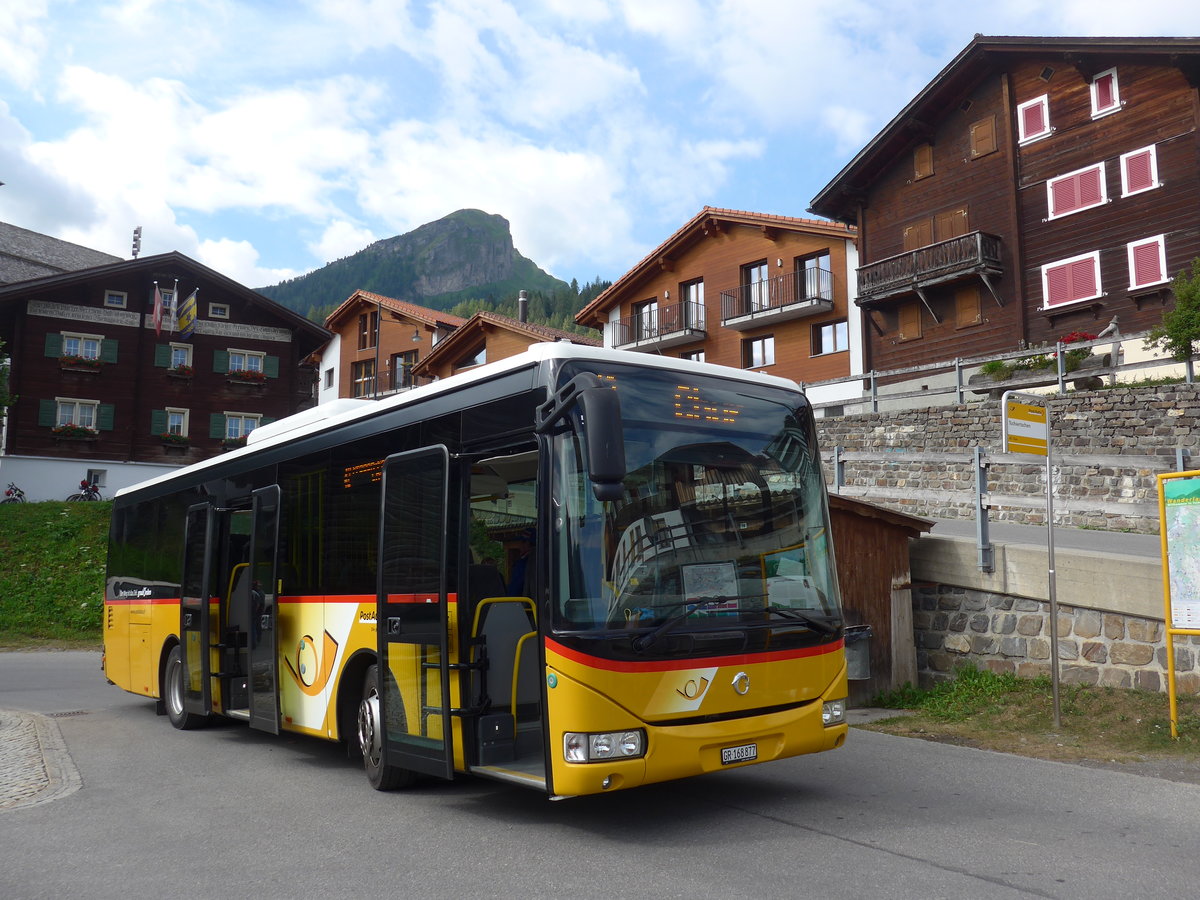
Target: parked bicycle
{"x":87,"y":491}
{"x":13,"y":494}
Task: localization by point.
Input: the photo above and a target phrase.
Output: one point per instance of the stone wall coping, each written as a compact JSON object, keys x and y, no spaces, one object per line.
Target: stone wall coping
{"x":1108,"y":582}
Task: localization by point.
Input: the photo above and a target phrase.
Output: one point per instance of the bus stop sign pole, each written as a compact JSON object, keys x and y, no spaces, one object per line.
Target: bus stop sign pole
{"x":1026,"y":429}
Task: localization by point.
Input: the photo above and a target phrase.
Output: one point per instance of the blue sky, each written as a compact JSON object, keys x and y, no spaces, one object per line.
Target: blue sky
{"x":265,"y":139}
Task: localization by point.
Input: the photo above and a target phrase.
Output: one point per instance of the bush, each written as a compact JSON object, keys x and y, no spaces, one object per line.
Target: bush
{"x":1180,"y":328}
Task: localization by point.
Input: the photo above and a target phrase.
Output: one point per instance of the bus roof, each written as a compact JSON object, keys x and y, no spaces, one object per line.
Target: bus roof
{"x":344,"y":411}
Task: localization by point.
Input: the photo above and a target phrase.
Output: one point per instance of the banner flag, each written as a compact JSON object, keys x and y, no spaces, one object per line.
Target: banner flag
{"x":187,"y":316}
{"x":158,"y":310}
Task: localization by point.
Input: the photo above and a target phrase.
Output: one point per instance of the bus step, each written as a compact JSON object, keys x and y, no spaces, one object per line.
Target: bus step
{"x":240,"y":714}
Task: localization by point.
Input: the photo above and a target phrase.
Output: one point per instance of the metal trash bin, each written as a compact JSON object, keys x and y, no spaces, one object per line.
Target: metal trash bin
{"x":858,"y":652}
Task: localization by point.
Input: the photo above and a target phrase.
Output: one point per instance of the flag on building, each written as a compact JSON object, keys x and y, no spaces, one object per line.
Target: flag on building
{"x":187,"y":316}
{"x":158,"y":310}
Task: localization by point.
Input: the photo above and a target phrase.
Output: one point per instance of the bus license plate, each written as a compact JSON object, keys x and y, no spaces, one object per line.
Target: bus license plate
{"x":744,"y":753}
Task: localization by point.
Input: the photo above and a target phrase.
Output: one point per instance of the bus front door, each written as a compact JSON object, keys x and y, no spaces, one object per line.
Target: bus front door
{"x":412,"y":616}
{"x":194,"y":609}
{"x":263,"y":612}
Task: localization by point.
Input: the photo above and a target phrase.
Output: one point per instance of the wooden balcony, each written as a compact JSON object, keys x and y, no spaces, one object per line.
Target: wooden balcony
{"x":659,"y":328}
{"x":961,"y":257}
{"x":778,"y":299}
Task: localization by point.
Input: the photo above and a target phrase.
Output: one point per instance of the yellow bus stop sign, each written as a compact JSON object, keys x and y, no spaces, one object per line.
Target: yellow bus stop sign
{"x":1026,"y":425}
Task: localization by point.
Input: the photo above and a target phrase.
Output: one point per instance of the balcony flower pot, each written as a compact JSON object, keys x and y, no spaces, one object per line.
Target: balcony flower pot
{"x":171,"y":439}
{"x":233,"y":443}
{"x":87,"y":364}
{"x":73,"y":433}
{"x":247,"y":376}
{"x":185,"y":372}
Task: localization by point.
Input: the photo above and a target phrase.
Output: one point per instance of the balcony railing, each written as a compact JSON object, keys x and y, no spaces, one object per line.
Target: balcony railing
{"x":664,"y":326}
{"x":958,"y":257}
{"x":802,"y":293}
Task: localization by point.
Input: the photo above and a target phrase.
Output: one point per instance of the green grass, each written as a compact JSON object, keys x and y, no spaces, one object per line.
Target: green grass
{"x":52,"y":573}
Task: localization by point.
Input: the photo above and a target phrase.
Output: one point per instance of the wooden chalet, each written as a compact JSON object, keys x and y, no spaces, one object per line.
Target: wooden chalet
{"x":742,"y":289}
{"x":104,"y":394}
{"x":378,"y":334}
{"x":490,"y":337}
{"x":1036,"y":187}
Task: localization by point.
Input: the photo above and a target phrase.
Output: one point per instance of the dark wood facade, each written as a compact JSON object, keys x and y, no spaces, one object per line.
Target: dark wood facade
{"x":131,"y":384}
{"x":750,"y":269}
{"x":952,"y":200}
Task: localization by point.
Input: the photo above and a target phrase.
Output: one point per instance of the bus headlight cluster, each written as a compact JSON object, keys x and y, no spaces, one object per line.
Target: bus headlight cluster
{"x":833,"y":712}
{"x":581,"y":747}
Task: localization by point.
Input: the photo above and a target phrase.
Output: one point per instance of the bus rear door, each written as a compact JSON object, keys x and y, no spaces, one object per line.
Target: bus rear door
{"x":263,"y":612}
{"x":195,"y":595}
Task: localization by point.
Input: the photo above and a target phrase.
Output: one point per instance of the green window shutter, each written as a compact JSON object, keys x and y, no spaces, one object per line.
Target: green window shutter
{"x":158,"y":421}
{"x":265,"y":420}
{"x":221,"y":362}
{"x":54,"y":345}
{"x":271,"y":366}
{"x":162,"y":356}
{"x":105,"y":416}
{"x":216,"y":426}
{"x":47,"y":413}
{"x":108,"y":350}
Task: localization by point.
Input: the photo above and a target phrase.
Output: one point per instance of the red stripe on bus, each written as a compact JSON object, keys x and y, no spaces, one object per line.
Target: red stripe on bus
{"x":670,"y":665}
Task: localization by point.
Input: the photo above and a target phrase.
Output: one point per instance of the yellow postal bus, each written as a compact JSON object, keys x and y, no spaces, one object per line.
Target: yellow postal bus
{"x":576,"y":570}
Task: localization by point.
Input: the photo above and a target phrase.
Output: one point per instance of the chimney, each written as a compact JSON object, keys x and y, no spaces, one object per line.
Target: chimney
{"x":523,"y":306}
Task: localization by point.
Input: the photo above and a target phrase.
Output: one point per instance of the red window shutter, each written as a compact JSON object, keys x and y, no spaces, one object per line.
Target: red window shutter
{"x":1064,"y":197}
{"x":1058,"y":285}
{"x":1033,"y":120}
{"x":1083,"y":279}
{"x":1078,"y":191}
{"x":1091,"y":189}
{"x":1139,"y":171}
{"x":1105,"y":95}
{"x":1146,"y":264}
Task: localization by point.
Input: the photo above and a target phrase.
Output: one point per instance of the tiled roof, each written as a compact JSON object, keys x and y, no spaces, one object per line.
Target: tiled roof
{"x":25,"y":255}
{"x":423,"y":314}
{"x":736,"y":216}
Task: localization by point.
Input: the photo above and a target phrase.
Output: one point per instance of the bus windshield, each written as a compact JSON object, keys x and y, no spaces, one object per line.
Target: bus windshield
{"x":723,"y":526}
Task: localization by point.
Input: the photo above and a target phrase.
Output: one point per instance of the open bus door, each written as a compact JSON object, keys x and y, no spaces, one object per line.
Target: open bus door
{"x":411,"y":615}
{"x":263,"y":612}
{"x":194,"y":618}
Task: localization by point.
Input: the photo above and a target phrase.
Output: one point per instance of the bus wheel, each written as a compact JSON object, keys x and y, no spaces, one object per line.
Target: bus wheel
{"x":371,"y":736}
{"x":171,"y":691}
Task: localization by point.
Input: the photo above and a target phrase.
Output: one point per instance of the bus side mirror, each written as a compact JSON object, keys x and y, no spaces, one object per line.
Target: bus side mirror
{"x":601,"y":408}
{"x":602,"y":432}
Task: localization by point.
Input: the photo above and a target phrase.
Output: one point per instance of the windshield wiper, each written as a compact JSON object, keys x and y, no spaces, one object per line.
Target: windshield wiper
{"x":685,"y":609}
{"x":825,"y":626}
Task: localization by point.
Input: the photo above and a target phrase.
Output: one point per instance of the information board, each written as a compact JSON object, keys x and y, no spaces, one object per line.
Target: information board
{"x":1180,"y":504}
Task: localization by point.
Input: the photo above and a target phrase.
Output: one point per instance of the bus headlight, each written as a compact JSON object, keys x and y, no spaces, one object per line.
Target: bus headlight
{"x":833,"y":712}
{"x":581,"y":747}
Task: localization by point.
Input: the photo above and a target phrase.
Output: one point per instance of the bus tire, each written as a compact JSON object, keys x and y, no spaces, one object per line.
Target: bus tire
{"x":371,"y":736}
{"x":171,"y":691}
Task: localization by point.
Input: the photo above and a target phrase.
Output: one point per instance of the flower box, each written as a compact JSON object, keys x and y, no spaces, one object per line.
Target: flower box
{"x":247,"y":376}
{"x":171,"y":439}
{"x":71,"y":432}
{"x":181,"y":372}
{"x":87,"y":364}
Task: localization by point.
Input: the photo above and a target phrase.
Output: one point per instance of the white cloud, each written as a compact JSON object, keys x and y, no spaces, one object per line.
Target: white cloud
{"x":340,"y":239}
{"x":239,"y":260}
{"x":22,"y":41}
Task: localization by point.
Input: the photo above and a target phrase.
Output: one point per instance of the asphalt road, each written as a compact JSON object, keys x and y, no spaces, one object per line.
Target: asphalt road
{"x":227,"y":812}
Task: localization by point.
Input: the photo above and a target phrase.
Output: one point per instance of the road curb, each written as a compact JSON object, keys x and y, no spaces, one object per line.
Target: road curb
{"x":35,"y":766}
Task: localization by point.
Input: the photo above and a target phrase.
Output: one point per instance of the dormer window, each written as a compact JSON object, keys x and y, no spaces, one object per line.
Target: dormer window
{"x":1106,"y":97}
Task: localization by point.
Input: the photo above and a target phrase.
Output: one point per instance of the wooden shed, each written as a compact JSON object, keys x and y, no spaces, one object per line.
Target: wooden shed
{"x":871,"y":545}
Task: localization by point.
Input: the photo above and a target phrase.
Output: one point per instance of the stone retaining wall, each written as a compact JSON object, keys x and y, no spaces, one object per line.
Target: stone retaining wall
{"x":1007,"y":634}
{"x":1135,"y":422}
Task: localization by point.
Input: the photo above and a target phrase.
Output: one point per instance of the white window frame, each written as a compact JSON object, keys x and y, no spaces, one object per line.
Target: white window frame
{"x":693,"y":355}
{"x":187,"y":354}
{"x":241,"y":418}
{"x":1125,"y":191}
{"x":1050,"y":182}
{"x":1094,"y":256}
{"x":184,"y":417}
{"x":79,"y":336}
{"x":246,"y":356}
{"x":1098,"y":113}
{"x":1161,"y":240}
{"x":76,"y":404}
{"x":116,"y":299}
{"x":218,"y":310}
{"x":1023,"y":138}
